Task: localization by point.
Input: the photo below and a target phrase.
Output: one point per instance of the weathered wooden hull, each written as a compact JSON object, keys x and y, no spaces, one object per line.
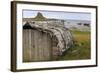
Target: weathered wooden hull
{"x":44,"y":44}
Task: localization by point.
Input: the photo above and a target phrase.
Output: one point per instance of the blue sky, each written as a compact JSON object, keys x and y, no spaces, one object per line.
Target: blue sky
{"x":58,"y":15}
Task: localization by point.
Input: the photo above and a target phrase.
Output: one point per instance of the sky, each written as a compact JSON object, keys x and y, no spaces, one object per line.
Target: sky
{"x":58,"y":15}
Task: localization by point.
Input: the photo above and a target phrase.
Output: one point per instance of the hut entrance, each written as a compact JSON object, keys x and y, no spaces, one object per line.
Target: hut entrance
{"x":37,"y":45}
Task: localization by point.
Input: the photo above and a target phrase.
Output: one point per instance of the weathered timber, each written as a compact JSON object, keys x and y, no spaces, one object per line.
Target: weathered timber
{"x":44,"y":39}
{"x":36,"y":45}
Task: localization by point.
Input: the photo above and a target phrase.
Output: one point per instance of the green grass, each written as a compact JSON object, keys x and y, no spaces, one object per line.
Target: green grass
{"x":80,"y":49}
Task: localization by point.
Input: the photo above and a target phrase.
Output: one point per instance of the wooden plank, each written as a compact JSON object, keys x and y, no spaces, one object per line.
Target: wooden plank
{"x":37,"y":46}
